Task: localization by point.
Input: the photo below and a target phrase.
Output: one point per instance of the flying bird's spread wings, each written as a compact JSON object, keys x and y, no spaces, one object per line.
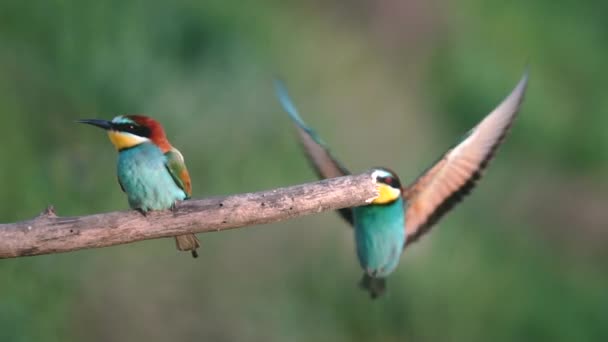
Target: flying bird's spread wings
{"x":179,"y":172}
{"x":319,"y":156}
{"x":444,"y":184}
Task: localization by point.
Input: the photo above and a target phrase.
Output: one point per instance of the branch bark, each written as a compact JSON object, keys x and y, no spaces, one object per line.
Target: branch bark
{"x":49,"y":233}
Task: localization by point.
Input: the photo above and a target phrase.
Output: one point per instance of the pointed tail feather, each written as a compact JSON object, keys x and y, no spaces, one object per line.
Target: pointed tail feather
{"x":375,"y":286}
{"x":188,"y":242}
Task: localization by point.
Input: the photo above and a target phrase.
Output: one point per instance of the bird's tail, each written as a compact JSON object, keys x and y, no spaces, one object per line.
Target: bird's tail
{"x":187,"y":242}
{"x":375,"y":286}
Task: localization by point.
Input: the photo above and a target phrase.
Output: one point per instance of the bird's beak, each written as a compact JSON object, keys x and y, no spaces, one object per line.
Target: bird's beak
{"x":98,"y":123}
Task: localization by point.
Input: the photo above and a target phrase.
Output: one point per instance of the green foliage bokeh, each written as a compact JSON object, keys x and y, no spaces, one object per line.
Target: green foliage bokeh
{"x":520,"y":259}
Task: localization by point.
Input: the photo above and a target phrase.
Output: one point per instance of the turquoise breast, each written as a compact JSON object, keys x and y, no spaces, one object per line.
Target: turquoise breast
{"x":380,"y":237}
{"x":144,"y":176}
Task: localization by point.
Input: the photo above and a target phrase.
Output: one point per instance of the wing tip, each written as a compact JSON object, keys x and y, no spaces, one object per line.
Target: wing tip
{"x":287,"y":103}
{"x":511,"y":104}
{"x":520,"y":89}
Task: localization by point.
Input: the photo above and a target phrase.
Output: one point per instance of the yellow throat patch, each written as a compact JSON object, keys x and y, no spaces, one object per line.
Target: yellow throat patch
{"x":122,"y":140}
{"x":386,"y":194}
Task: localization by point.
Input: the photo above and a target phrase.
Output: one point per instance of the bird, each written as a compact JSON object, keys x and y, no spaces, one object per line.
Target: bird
{"x":150,"y":170}
{"x":400,"y":215}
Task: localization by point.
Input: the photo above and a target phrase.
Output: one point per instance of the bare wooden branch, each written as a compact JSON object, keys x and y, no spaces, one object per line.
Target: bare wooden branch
{"x":49,"y":233}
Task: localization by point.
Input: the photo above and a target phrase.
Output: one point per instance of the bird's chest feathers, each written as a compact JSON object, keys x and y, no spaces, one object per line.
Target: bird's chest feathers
{"x":380,"y":236}
{"x":379,"y":219}
{"x":145,"y":178}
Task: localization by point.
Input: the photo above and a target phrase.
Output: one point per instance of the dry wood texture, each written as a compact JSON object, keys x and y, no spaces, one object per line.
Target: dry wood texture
{"x":49,"y":233}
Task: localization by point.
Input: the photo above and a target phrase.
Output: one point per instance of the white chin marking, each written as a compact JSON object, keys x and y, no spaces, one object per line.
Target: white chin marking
{"x":380,"y":173}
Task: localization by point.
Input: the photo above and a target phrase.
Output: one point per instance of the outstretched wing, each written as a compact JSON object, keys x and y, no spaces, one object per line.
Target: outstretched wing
{"x":319,"y":156}
{"x":443,"y":185}
{"x":179,"y":172}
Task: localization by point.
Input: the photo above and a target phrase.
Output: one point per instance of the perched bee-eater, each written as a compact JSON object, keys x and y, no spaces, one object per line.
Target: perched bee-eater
{"x":401,"y":215}
{"x":150,"y":171}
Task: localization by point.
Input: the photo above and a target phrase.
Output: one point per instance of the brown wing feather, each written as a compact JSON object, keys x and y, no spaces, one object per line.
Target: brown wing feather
{"x":179,"y":172}
{"x":319,"y":156}
{"x":324,"y":164}
{"x":454,"y":176}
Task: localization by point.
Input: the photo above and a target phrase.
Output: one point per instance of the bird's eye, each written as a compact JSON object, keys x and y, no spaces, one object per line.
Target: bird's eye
{"x":131,"y":127}
{"x":388,"y":180}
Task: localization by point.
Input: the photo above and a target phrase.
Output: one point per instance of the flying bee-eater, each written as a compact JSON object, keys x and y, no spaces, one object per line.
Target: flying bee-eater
{"x":150,"y":171}
{"x":401,"y":215}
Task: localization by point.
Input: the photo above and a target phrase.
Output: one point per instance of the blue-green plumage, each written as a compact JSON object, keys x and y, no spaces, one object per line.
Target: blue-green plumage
{"x":150,"y":171}
{"x":379,"y":236}
{"x":143,"y":174}
{"x":379,"y":233}
{"x":399,"y":214}
{"x":378,"y":227}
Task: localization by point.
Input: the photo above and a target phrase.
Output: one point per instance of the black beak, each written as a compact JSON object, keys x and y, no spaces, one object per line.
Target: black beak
{"x":98,"y":123}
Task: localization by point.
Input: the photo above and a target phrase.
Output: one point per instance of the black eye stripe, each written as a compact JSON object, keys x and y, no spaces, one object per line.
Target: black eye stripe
{"x":133,"y":129}
{"x":391,"y":181}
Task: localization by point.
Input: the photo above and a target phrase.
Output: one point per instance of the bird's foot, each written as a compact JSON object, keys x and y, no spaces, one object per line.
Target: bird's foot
{"x":141,"y":211}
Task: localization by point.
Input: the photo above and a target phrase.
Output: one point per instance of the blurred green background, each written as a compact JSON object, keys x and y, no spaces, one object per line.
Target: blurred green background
{"x":390,"y":83}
